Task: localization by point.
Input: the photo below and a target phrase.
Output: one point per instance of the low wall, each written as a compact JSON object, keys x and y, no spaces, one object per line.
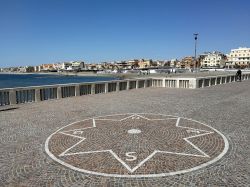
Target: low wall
{"x":13,"y":96}
{"x":202,"y":82}
{"x":20,"y":95}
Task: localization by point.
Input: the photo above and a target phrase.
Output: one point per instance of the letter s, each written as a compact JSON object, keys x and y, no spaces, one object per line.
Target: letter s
{"x":131,"y":157}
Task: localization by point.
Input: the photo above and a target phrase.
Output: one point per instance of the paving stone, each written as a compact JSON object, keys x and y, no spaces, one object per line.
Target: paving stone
{"x":23,"y":132}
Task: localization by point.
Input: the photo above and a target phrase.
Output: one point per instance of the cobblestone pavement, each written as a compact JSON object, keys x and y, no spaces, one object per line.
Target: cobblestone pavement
{"x":24,"y":131}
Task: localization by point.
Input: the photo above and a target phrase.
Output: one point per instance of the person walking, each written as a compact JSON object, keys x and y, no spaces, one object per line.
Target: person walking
{"x":238,"y":75}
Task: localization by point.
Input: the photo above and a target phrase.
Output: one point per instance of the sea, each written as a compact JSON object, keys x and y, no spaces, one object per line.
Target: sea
{"x":24,"y":80}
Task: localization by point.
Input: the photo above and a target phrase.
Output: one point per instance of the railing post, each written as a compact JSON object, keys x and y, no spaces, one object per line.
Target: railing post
{"x":203,"y":83}
{"x":37,"y":95}
{"x":127,"y":85}
{"x":92,"y":89}
{"x":12,"y":97}
{"x":210,"y":82}
{"x":117,"y":87}
{"x":106,"y":87}
{"x":77,"y":90}
{"x":59,"y":92}
{"x":192,"y":83}
{"x":163,"y":83}
{"x":136,"y":84}
{"x":195,"y":84}
{"x":177,"y":83}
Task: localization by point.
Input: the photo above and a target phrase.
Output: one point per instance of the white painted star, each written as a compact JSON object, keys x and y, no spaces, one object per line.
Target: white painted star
{"x":125,"y":133}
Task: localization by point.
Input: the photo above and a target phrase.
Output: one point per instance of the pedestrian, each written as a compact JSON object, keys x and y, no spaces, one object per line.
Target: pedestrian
{"x":238,"y":75}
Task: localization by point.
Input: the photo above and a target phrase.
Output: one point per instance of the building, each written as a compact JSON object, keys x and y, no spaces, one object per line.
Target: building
{"x":213,"y":59}
{"x":91,"y":66}
{"x":173,"y":63}
{"x":239,"y":57}
{"x":77,"y":65}
{"x":161,"y":63}
{"x":187,"y":62}
{"x":37,"y":68}
{"x":47,"y":67}
{"x":145,"y":63}
{"x":66,"y":66}
{"x":57,"y":66}
{"x":22,"y":69}
{"x":122,"y":65}
{"x":134,"y":64}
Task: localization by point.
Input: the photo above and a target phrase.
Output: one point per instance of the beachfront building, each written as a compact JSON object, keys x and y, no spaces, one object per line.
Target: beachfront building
{"x":145,"y":63}
{"x":239,"y":57}
{"x":160,"y":63}
{"x":213,"y":59}
{"x":91,"y":66}
{"x":134,"y":64}
{"x":37,"y":68}
{"x":57,"y":66}
{"x":122,"y":65}
{"x":187,"y":63}
{"x":173,"y":63}
{"x":66,"y":66}
{"x":47,"y":67}
{"x":77,"y":65}
{"x":106,"y":65}
{"x":22,"y":69}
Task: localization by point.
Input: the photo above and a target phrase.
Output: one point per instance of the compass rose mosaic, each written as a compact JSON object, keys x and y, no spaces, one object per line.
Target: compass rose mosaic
{"x":136,"y":145}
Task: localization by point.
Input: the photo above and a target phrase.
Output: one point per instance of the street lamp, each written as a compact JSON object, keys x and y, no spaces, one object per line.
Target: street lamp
{"x":195,"y":45}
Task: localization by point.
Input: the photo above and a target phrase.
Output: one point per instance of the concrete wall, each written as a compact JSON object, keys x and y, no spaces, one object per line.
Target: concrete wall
{"x":42,"y":93}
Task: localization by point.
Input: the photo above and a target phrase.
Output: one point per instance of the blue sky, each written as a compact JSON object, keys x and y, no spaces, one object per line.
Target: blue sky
{"x":33,"y":32}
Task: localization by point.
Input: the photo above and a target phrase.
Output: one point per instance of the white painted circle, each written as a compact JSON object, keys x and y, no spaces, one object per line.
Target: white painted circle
{"x":134,"y":131}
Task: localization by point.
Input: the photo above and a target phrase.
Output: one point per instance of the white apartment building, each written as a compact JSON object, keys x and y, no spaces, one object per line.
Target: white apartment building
{"x":239,"y":57}
{"x":173,"y":62}
{"x":77,"y":65}
{"x":57,"y":66}
{"x":213,"y":59}
{"x":69,"y":66}
{"x":66,"y":66}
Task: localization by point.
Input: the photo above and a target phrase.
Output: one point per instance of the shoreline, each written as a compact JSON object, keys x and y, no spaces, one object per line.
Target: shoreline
{"x":80,"y":74}
{"x":123,"y":76}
